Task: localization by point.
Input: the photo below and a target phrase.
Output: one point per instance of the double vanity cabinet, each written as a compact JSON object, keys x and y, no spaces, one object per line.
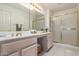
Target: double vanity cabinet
{"x":25,"y":45}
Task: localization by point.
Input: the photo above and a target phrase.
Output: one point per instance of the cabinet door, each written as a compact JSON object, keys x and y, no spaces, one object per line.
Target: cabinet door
{"x":10,"y":47}
{"x":50,"y":40}
{"x":30,"y":51}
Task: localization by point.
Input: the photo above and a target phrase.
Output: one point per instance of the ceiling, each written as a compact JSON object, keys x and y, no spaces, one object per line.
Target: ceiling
{"x":54,"y":7}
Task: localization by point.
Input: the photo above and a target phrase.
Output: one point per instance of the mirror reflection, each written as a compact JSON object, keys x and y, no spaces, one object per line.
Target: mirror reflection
{"x":15,"y":17}
{"x":38,"y":21}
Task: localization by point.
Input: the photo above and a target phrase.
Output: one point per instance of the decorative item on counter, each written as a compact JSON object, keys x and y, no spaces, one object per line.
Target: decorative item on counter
{"x":46,"y":29}
{"x":33,"y":31}
{"x":42,"y":29}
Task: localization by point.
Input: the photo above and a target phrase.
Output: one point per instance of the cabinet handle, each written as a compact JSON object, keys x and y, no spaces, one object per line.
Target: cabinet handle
{"x":61,"y":36}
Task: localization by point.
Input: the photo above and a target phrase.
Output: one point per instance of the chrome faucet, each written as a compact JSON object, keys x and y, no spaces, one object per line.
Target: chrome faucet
{"x":17,"y":34}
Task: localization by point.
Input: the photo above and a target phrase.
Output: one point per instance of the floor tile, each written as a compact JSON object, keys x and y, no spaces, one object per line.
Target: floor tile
{"x":63,"y":50}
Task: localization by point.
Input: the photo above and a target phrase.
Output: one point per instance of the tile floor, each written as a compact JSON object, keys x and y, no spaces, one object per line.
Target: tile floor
{"x":62,"y":50}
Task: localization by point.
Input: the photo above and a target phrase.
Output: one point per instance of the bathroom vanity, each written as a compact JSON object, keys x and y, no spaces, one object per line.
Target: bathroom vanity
{"x":24,"y":45}
{"x":15,"y":37}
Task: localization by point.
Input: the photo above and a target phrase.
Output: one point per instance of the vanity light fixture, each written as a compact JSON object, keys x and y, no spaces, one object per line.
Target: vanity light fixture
{"x":27,"y":5}
{"x":32,"y":6}
{"x":37,"y":7}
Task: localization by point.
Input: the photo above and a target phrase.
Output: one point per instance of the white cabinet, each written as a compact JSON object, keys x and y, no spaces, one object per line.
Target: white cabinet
{"x":10,"y":47}
{"x":47,"y":42}
{"x":25,"y":46}
{"x":30,"y":51}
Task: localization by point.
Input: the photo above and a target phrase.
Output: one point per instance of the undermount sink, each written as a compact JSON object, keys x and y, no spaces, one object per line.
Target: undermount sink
{"x":2,"y":35}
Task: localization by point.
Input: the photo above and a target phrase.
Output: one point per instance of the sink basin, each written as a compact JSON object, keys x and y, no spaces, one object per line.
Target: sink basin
{"x":2,"y":35}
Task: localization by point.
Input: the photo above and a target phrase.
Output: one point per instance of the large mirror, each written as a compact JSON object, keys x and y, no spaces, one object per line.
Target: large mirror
{"x":15,"y":17}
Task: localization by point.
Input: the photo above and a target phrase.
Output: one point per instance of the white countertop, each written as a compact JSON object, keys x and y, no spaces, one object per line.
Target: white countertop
{"x":24,"y":35}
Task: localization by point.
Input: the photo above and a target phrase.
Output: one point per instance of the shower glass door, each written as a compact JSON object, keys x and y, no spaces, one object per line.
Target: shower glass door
{"x":65,"y":28}
{"x":69,"y":27}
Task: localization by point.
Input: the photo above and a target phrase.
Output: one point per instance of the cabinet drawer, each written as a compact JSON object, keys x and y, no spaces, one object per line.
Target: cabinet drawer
{"x":15,"y":54}
{"x":14,"y":46}
{"x":30,"y":51}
